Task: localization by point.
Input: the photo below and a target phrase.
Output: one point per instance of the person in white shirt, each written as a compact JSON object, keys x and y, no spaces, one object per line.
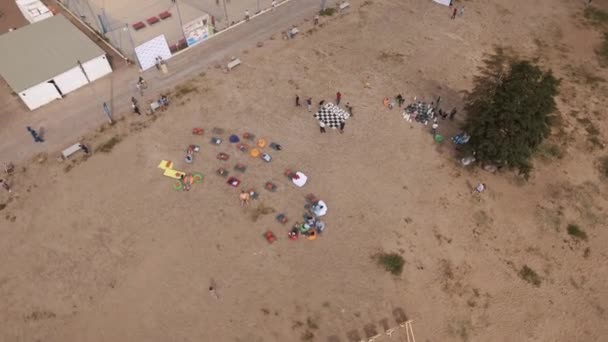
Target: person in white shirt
{"x":322,"y":126}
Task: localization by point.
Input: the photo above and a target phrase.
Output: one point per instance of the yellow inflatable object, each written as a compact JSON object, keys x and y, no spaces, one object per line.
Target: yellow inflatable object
{"x":173,"y":173}
{"x":261,"y":143}
{"x":165,"y":165}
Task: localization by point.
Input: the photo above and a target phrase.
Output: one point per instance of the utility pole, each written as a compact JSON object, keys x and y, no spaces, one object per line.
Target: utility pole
{"x":226,"y":13}
{"x":132,"y":44}
{"x":181,"y":24}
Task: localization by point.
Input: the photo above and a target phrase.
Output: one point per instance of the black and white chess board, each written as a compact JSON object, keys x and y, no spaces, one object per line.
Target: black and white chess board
{"x":331,"y":115}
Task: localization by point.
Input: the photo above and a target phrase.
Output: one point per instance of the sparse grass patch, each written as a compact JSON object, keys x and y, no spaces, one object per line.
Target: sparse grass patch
{"x":602,"y":51}
{"x":184,"y":89}
{"x":391,"y":56}
{"x":108,"y":145}
{"x":260,"y":211}
{"x":392,"y":262}
{"x":551,"y":151}
{"x":529,"y":275}
{"x":327,"y":12}
{"x":604,"y":166}
{"x":596,"y":16}
{"x":576,"y":232}
{"x":583,"y":75}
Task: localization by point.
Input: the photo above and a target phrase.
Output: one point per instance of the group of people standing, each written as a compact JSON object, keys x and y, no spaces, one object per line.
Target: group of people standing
{"x":322,"y":125}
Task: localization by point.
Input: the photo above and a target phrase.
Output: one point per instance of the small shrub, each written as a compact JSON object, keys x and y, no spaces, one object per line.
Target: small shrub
{"x":529,"y":275}
{"x":604,"y":166}
{"x":327,"y":12}
{"x":551,"y":151}
{"x":602,"y":51}
{"x":576,"y":232}
{"x":596,"y":16}
{"x":392,"y":262}
{"x":109,"y":145}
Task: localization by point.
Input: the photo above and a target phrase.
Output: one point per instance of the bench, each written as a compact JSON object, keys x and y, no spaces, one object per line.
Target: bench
{"x":71,"y":150}
{"x":152,"y":20}
{"x":235,"y":62}
{"x":165,"y":15}
{"x":344,"y":5}
{"x":139,"y":25}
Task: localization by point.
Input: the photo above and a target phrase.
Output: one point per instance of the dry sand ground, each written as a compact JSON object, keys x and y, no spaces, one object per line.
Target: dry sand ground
{"x":106,"y":251}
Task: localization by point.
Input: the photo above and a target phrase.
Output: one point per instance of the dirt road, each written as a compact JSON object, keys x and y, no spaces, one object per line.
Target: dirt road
{"x":66,"y":120}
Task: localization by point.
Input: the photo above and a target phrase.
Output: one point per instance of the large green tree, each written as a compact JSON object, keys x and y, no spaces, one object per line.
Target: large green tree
{"x":509,"y":111}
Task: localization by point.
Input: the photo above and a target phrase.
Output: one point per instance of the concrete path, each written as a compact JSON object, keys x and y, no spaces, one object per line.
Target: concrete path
{"x":81,"y":111}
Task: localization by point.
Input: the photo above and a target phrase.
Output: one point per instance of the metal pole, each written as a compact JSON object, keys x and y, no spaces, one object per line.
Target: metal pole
{"x":226,"y":14}
{"x":323,"y":4}
{"x":106,"y":110}
{"x":181,"y":24}
{"x":132,"y":44}
{"x":258,"y":5}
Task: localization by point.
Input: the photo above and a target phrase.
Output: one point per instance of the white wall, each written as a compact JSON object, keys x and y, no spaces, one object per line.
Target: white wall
{"x":97,"y":68}
{"x":71,"y":79}
{"x":68,"y":81}
{"x":39,"y":95}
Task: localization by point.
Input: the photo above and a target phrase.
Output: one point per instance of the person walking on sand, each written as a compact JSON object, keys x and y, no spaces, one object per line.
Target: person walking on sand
{"x":309,"y":104}
{"x":273,"y":4}
{"x":34,"y":134}
{"x":297,"y":101}
{"x":247,"y":15}
{"x":481,"y":187}
{"x":461,"y":13}
{"x":245,"y":198}
{"x":400,"y":100}
{"x":349,"y":108}
{"x":213,"y":292}
{"x":135,"y":108}
{"x":322,"y":126}
{"x":5,"y":185}
{"x":321,"y":103}
{"x":453,"y":113}
{"x":342,"y":124}
{"x":454,"y":12}
{"x":338,"y":98}
{"x":316,"y":21}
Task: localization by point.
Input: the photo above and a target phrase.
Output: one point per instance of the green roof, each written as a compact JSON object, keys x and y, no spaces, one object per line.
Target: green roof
{"x":38,"y":52}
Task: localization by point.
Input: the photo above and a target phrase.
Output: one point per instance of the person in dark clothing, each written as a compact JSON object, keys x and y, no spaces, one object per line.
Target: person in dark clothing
{"x":349,"y":108}
{"x":297,"y":101}
{"x":34,"y":134}
{"x":309,"y":104}
{"x":321,"y":103}
{"x":400,"y":100}
{"x":342,"y":124}
{"x":338,"y":98}
{"x":84,"y":149}
{"x":453,"y":113}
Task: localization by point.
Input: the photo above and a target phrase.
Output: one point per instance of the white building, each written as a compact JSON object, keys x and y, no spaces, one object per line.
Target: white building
{"x":33,"y":10}
{"x":47,"y":60}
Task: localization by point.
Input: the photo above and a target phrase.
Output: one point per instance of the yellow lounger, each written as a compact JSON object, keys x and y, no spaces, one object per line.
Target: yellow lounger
{"x":173,"y":173}
{"x":165,"y":164}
